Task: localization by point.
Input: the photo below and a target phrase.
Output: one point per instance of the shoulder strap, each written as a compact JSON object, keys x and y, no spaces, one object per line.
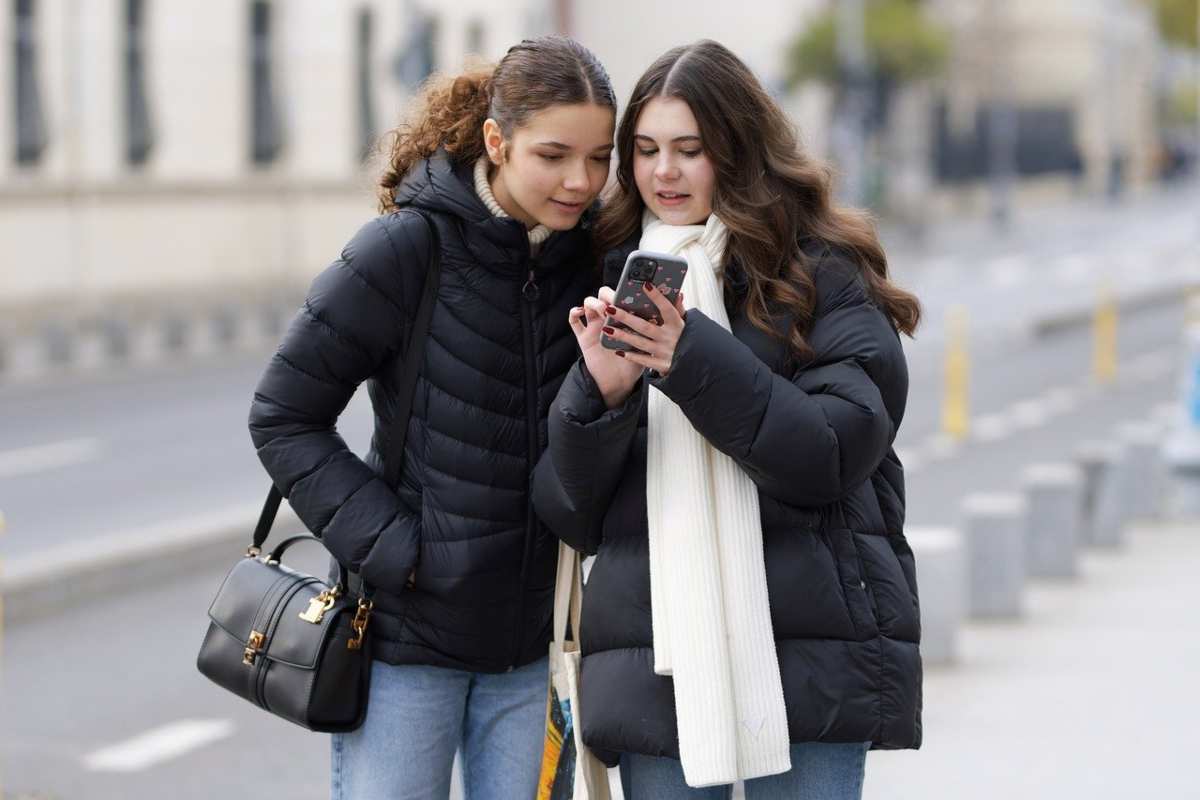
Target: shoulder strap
{"x":398,"y":432}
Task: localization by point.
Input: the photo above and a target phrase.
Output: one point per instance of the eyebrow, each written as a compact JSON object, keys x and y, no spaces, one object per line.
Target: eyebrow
{"x":687,"y":138}
{"x":561,"y":146}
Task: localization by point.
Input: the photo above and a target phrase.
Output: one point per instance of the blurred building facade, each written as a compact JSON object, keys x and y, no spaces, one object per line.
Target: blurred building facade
{"x":1066,"y":88}
{"x":159,"y":146}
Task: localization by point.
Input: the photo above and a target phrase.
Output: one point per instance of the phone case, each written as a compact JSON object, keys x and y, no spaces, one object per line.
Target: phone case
{"x":668,"y":279}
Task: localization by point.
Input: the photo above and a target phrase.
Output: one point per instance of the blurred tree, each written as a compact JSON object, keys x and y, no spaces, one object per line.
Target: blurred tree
{"x":1177,"y":21}
{"x":902,"y":44}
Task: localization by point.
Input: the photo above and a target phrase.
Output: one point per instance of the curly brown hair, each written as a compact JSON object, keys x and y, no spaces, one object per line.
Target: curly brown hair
{"x":770,"y":194}
{"x":450,"y":110}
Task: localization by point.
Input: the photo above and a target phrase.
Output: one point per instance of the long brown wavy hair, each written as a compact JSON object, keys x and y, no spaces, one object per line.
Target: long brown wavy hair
{"x":450,"y":110}
{"x":770,"y":194}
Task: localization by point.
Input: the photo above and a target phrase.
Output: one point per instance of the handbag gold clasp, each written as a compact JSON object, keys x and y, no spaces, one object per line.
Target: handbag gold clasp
{"x":254,"y":646}
{"x":318,"y":605}
{"x":361,"y":617}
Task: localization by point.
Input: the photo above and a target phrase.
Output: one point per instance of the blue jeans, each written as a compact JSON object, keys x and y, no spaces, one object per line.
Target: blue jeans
{"x":819,"y":772}
{"x":417,"y":717}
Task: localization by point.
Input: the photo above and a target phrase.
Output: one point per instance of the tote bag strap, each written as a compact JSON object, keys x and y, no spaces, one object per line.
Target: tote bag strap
{"x":568,"y":594}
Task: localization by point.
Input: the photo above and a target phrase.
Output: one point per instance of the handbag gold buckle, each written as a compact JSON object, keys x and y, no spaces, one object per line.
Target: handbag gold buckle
{"x":361,"y":617}
{"x":254,"y":646}
{"x":318,"y":605}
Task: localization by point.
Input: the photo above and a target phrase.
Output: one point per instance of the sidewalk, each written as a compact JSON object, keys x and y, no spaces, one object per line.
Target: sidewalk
{"x":1093,"y":694}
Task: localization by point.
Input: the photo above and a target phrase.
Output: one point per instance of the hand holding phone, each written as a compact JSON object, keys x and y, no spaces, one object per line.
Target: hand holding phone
{"x":666,"y":272}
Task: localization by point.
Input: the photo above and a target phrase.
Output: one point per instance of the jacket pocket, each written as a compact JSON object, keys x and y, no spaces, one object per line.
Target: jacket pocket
{"x":853,"y":578}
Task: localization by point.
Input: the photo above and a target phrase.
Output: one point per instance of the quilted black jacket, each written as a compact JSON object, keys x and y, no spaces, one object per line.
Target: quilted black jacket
{"x":816,"y":439}
{"x":460,"y":521}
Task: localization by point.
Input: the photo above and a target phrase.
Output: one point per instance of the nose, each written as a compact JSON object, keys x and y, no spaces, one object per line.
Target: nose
{"x":664,"y":168}
{"x":576,"y":179}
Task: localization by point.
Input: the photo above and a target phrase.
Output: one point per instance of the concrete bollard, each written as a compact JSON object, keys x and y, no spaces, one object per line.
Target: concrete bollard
{"x":1142,"y":441}
{"x":994,"y":530}
{"x":1095,"y":460}
{"x":1112,"y":503}
{"x":942,"y":578}
{"x":1054,"y":493}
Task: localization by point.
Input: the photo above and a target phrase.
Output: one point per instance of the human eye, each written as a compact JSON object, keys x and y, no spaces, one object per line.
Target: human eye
{"x":550,"y":156}
{"x":604,"y":159}
{"x":691,"y":153}
{"x":647,"y":151}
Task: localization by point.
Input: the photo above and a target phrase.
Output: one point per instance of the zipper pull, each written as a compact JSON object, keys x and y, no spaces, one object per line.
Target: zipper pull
{"x":530,"y":290}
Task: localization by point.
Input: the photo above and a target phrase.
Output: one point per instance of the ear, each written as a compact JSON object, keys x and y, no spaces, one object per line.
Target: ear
{"x":493,"y":140}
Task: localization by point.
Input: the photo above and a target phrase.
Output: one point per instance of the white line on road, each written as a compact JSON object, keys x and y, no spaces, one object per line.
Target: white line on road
{"x":158,"y":745}
{"x":1060,"y":401}
{"x":991,"y":428}
{"x":40,"y":458}
{"x":1029,"y":414}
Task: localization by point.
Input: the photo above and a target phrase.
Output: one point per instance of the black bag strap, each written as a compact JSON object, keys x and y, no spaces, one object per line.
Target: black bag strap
{"x":398,"y":430}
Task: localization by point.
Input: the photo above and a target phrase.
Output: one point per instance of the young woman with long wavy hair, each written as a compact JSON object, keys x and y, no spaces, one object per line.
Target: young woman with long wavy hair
{"x":752,"y":610}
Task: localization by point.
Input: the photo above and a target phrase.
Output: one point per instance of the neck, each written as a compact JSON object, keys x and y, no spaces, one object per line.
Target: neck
{"x":500,"y":194}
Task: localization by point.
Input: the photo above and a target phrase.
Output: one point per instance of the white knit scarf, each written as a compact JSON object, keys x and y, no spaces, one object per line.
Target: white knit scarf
{"x":708,"y":582}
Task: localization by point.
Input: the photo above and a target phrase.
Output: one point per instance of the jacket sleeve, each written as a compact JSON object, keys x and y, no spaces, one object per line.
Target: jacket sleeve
{"x":810,"y":439}
{"x":350,"y":325}
{"x":588,"y":446}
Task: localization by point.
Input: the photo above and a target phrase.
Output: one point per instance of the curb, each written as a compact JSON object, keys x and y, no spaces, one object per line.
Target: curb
{"x":55,"y":579}
{"x":149,"y":334}
{"x":1066,"y":321}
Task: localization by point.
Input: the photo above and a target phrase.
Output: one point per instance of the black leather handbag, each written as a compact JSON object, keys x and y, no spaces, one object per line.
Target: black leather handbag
{"x":286,"y":641}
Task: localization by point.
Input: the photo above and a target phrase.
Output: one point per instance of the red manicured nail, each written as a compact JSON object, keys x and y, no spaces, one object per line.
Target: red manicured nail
{"x":658,"y":322}
{"x":610,"y":310}
{"x":647,"y":286}
{"x":608,"y":330}
{"x":620,"y":353}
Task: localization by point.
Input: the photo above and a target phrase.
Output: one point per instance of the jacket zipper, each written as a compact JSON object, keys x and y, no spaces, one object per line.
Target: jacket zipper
{"x":529,"y":294}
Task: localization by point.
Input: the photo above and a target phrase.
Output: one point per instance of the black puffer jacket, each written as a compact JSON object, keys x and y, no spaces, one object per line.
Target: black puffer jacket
{"x":498,"y":348}
{"x":816,"y":439}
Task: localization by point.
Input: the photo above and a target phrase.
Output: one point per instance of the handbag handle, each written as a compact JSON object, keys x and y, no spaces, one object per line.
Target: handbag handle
{"x":568,"y":594}
{"x":398,"y":430}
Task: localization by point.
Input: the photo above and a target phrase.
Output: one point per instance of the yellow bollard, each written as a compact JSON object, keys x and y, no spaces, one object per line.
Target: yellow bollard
{"x":1104,"y":338}
{"x":955,"y":400}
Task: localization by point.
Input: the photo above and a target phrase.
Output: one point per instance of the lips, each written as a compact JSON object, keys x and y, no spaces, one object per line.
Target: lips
{"x":568,"y":206}
{"x":671,"y":198}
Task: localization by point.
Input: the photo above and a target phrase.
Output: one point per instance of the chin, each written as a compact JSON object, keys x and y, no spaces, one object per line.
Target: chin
{"x":557,"y":220}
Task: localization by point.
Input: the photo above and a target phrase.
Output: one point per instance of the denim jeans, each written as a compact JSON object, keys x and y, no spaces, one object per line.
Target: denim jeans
{"x":418,"y":716}
{"x":819,"y":771}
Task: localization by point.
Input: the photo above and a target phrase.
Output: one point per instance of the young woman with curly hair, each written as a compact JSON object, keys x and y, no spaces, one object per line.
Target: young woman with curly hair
{"x":498,"y":170}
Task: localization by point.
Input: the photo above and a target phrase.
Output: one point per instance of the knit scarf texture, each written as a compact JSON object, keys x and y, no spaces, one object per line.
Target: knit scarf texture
{"x":708,"y":582}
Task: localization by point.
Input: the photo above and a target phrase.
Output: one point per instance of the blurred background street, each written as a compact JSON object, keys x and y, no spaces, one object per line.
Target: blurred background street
{"x":174,"y":176}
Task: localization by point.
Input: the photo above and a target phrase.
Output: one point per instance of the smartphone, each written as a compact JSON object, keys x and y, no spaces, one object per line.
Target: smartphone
{"x":665,"y":271}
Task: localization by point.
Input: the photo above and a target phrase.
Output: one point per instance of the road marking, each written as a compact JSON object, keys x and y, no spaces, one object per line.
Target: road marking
{"x":1029,"y":414}
{"x":158,"y":745}
{"x":941,"y":446}
{"x":909,"y":460}
{"x":1150,"y":366}
{"x":1060,"y":401}
{"x":1006,"y":271}
{"x":1071,"y":269}
{"x":991,"y":428}
{"x":41,"y":458}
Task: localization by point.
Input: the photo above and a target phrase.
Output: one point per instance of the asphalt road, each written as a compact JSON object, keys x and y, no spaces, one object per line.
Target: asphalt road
{"x":120,"y":671}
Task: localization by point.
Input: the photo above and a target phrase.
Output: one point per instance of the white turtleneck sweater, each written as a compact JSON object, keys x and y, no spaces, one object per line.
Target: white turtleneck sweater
{"x":537,"y":234}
